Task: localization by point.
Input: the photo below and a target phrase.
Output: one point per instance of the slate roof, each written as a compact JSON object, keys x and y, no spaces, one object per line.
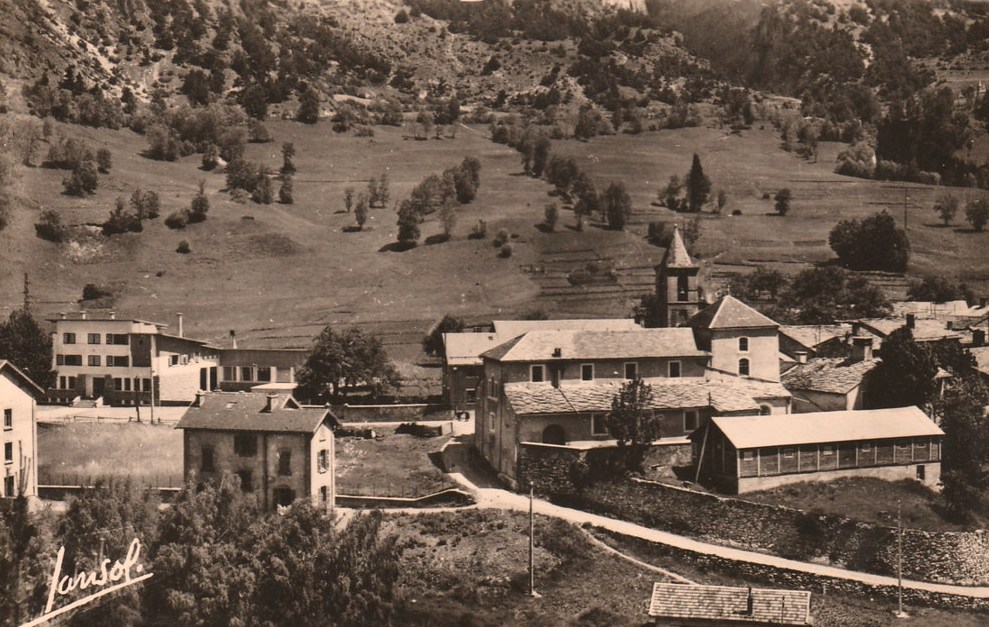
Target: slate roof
{"x":745,"y":432}
{"x":243,"y":411}
{"x":629,"y":345}
{"x":928,"y":309}
{"x":730,"y":313}
{"x":676,"y":256}
{"x":464,"y":349}
{"x":830,"y":375}
{"x":730,"y":604}
{"x":507,"y":329}
{"x":981,"y":355}
{"x":924,"y":330}
{"x":542,"y":398}
{"x":27,"y":382}
{"x":811,"y":335}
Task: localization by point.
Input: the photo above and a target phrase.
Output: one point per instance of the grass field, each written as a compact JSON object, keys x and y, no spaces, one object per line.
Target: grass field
{"x":866,"y":499}
{"x":77,"y":454}
{"x":278,"y":273}
{"x":393,"y":465}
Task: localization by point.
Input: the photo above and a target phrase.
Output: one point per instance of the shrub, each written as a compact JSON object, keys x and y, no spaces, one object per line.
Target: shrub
{"x":263,"y":192}
{"x":736,"y":212}
{"x":285,"y":191}
{"x":782,"y":199}
{"x":479,"y":231}
{"x":506,"y":251}
{"x":121,"y":220}
{"x":211,"y":157}
{"x":502,"y":237}
{"x":146,"y":205}
{"x":552,"y":215}
{"x":177,"y":220}
{"x":50,"y":227}
{"x":199,"y":206}
{"x":104,"y":160}
{"x":91,"y":291}
{"x":402,"y":17}
{"x":875,"y":243}
{"x":83,"y":179}
{"x":977,"y":213}
{"x":183,"y":248}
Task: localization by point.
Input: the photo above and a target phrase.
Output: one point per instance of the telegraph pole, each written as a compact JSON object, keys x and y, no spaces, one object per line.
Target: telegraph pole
{"x":532,"y":561}
{"x":899,"y":561}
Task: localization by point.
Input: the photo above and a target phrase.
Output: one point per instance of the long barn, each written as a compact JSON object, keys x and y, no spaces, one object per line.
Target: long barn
{"x":738,"y":454}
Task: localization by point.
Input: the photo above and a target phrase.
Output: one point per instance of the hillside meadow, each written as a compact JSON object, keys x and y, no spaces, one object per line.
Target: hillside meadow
{"x":276,"y":274}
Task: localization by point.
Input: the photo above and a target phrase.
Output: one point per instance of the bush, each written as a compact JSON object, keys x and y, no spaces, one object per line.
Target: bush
{"x":977,"y":213}
{"x":479,"y":231}
{"x":104,"y":160}
{"x":91,"y":291}
{"x":83,"y":179}
{"x":506,"y":251}
{"x":177,"y":220}
{"x":121,"y":220}
{"x":502,"y":237}
{"x":875,"y":243}
{"x":552,"y":215}
{"x":50,"y":227}
{"x":402,"y":17}
{"x":183,"y":248}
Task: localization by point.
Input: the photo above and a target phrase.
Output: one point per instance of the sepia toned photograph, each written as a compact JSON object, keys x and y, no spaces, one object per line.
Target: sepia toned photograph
{"x":488,"y":313}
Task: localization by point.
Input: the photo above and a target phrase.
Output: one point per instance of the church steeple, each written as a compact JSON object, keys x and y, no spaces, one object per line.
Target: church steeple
{"x":676,"y":283}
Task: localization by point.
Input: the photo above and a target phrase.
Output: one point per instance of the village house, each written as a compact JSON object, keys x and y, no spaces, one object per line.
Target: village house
{"x":815,"y":340}
{"x":831,"y":383}
{"x":18,"y":399}
{"x":462,"y":363}
{"x":277,"y":449}
{"x":693,"y":604}
{"x":744,"y":454}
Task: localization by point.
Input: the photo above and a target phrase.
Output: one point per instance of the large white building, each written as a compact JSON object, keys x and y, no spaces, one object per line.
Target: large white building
{"x":19,"y":433}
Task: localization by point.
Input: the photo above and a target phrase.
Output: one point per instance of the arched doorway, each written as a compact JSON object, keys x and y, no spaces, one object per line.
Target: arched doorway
{"x":554,"y":434}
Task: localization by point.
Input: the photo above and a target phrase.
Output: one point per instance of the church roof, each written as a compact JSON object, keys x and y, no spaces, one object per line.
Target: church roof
{"x":676,"y":256}
{"x":730,"y":313}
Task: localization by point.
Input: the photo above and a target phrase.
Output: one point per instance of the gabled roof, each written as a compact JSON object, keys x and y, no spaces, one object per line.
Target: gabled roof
{"x":981,"y":355}
{"x":26,"y":382}
{"x":542,"y":398}
{"x":830,"y":375}
{"x":730,"y":604}
{"x":730,"y":313}
{"x":930,"y":309}
{"x":590,"y":345}
{"x":746,"y":432}
{"x":676,"y":256}
{"x":812,"y":335}
{"x":507,"y":329}
{"x":924,"y":330}
{"x":464,"y":349}
{"x":243,"y":411}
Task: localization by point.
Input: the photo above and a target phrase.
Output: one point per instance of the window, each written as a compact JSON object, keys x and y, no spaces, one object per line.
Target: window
{"x":765,"y":410}
{"x":118,"y":361}
{"x":8,"y":453}
{"x":599,"y":425}
{"x":587,"y":372}
{"x":866,"y":447}
{"x":118,"y":384}
{"x":229,"y":373}
{"x":916,"y":443}
{"x":246,"y":444}
{"x":748,"y":455}
{"x":788,"y":453}
{"x":743,"y":344}
{"x":491,"y":422}
{"x":743,"y":367}
{"x":673,"y":369}
{"x":147,"y":385}
{"x":471,"y":396}
{"x":631,"y":370}
{"x":207,"y":464}
{"x":8,"y":486}
{"x":173,"y":360}
{"x":127,"y":385}
{"x":59,"y":360}
{"x":264,"y":374}
{"x":93,"y":338}
{"x":536,"y":374}
{"x":324,"y":460}
{"x":62,"y":384}
{"x":827,"y":449}
{"x":246,"y":480}
{"x":324,"y":494}
{"x":120,"y":339}
{"x":246,"y":373}
{"x":73,"y":360}
{"x":94,"y":360}
{"x":689,"y":420}
{"x":68,"y":338}
{"x":285,"y":462}
{"x":72,"y":383}
{"x":8,"y":418}
{"x":683,"y":287}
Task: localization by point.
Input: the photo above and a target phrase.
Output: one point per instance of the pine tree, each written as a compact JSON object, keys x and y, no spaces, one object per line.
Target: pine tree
{"x":698,"y":186}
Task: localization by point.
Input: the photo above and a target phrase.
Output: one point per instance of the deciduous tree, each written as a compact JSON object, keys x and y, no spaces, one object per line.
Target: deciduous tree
{"x":632,"y":422}
{"x":342,"y":361}
{"x":432,"y":343}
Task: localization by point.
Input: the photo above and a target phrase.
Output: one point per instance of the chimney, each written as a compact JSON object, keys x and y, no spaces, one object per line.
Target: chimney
{"x":861,"y":348}
{"x":978,"y":338}
{"x":270,"y":403}
{"x":82,"y":314}
{"x":949,"y":325}
{"x":557,"y":352}
{"x":856,"y":328}
{"x":113,"y":315}
{"x":233,"y":338}
{"x":199,"y":398}
{"x":181,"y":328}
{"x":61,"y":315}
{"x":911,"y":321}
{"x":801,"y":357}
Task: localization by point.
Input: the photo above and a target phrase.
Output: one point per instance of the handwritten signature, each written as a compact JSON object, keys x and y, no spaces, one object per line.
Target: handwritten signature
{"x":128,"y":569}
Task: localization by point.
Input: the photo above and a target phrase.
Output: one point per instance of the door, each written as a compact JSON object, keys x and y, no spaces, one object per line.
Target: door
{"x":212,"y":379}
{"x":283,"y":496}
{"x":921,"y":472}
{"x":203,"y":382}
{"x":99,"y":386}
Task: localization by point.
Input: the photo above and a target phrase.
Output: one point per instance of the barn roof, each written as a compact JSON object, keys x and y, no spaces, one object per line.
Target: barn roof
{"x":745,"y":432}
{"x":730,"y":604}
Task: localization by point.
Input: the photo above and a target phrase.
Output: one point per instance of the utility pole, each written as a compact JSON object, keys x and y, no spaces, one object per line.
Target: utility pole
{"x":899,"y":561}
{"x":532,"y":561}
{"x":27,"y":293}
{"x":905,"y":224}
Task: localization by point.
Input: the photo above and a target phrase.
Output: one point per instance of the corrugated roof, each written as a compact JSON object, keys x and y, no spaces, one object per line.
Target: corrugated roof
{"x":242,"y":411}
{"x":730,"y":313}
{"x":644,"y":343}
{"x":811,"y":335}
{"x":730,"y":604}
{"x":832,"y":375}
{"x":543,"y":398}
{"x":827,"y":426}
{"x":11,"y":369}
{"x":507,"y":329}
{"x":464,"y":349}
{"x":676,"y":256}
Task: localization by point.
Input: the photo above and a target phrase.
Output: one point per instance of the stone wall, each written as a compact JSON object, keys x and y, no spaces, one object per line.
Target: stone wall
{"x":943,"y":557}
{"x":392,"y":413}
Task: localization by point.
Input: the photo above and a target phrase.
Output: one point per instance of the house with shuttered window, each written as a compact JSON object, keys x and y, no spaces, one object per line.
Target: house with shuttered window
{"x":275,"y":448}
